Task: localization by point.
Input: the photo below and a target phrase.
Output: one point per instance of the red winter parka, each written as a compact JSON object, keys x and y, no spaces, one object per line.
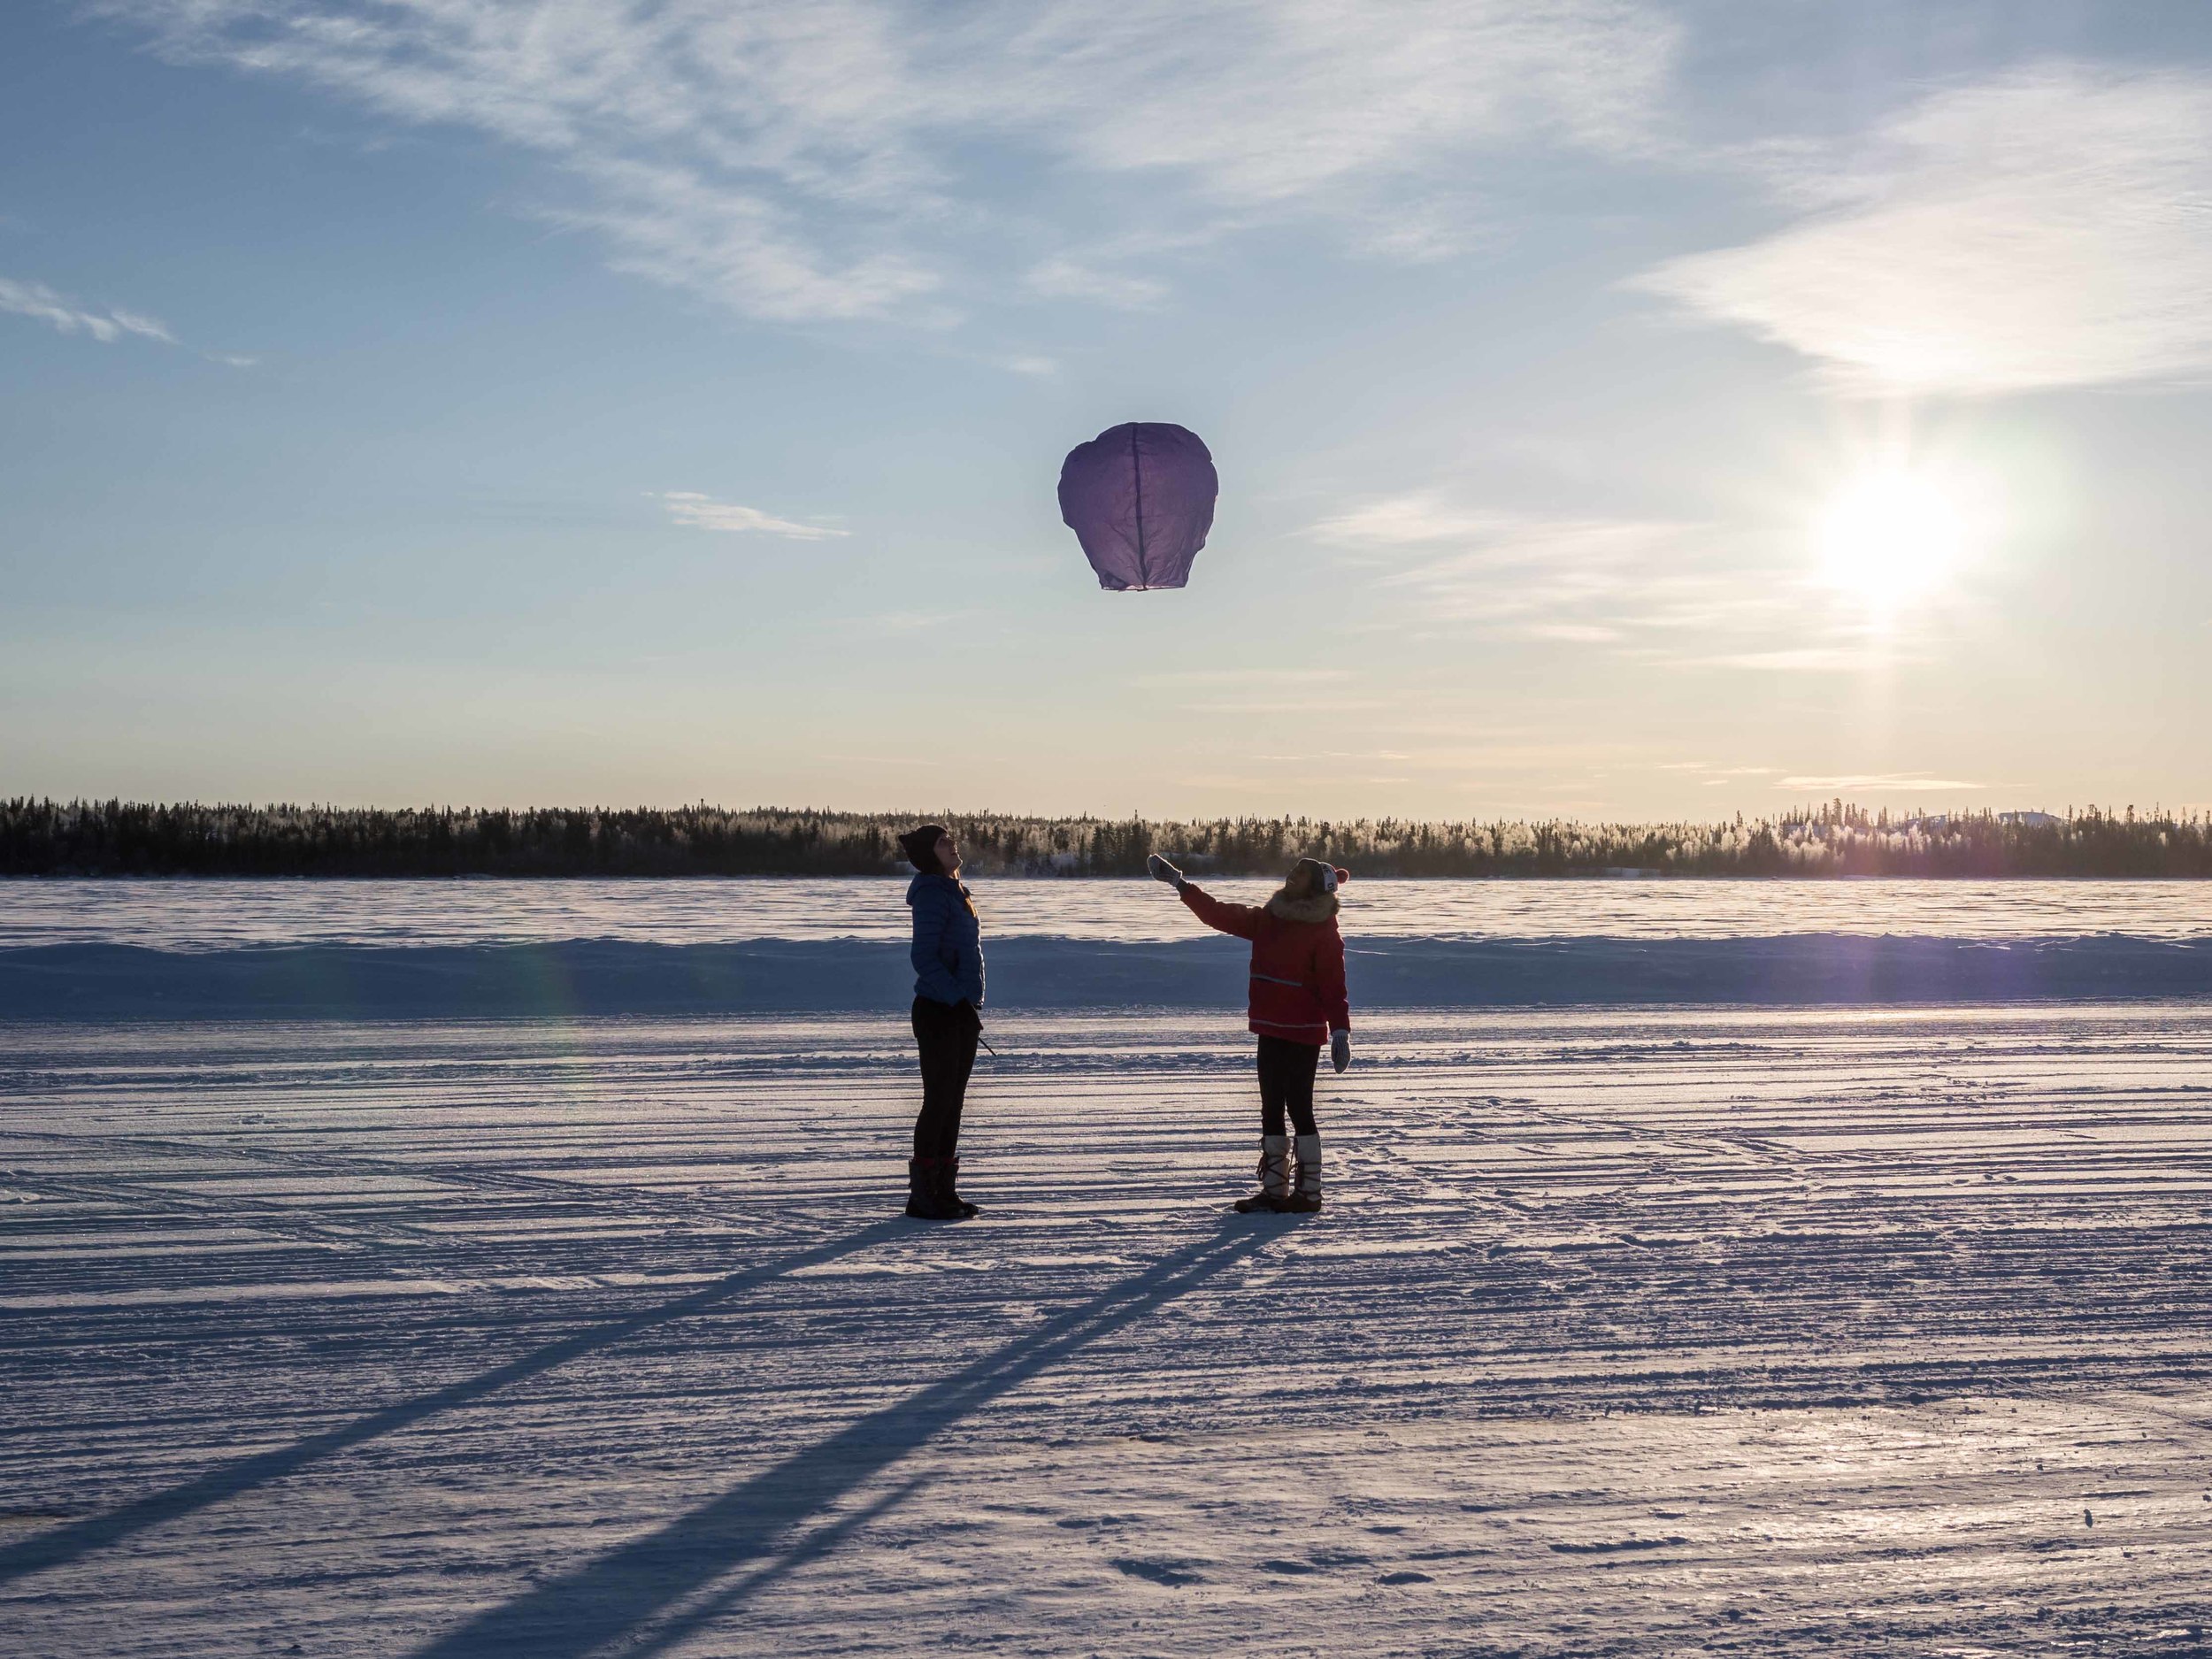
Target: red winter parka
{"x":1297,"y":962}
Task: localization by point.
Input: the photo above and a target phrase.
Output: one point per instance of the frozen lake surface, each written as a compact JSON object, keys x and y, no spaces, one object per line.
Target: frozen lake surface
{"x":192,"y":915}
{"x":1629,"y":1333}
{"x":110,"y":950}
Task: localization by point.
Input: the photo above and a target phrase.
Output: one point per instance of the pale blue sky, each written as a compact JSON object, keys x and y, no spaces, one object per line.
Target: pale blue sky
{"x":452,"y":400}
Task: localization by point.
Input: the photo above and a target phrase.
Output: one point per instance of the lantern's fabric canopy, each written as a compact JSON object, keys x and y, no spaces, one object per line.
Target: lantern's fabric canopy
{"x":1139,"y":498}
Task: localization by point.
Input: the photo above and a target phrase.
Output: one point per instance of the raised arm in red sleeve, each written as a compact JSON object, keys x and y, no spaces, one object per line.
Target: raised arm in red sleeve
{"x":1241,"y":919}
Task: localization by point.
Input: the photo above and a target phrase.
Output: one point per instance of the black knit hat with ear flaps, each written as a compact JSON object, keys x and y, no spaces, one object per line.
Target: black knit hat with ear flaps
{"x":1326,"y":877}
{"x":920,"y":847}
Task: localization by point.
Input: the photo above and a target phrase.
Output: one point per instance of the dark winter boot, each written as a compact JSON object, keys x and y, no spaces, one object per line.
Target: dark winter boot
{"x":924,"y":1200}
{"x":1305,"y":1197}
{"x":1274,"y":1177}
{"x":948,"y":1178}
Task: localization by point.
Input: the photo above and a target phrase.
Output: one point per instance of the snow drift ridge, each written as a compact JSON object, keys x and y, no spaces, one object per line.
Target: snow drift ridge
{"x":609,"y":977}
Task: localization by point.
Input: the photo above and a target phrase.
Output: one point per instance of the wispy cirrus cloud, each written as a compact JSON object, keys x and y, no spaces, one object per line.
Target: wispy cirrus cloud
{"x":1712,"y":777}
{"x":704,"y":512}
{"x":898,"y":624}
{"x":1887,"y":782}
{"x":683,"y":229}
{"x":1790,"y":659}
{"x":836,"y":158}
{"x":1570,"y":579}
{"x":2050,"y":226}
{"x":1272,"y":101}
{"x":1062,"y":277}
{"x":1242,"y":677}
{"x":1271,"y":707}
{"x":1670,"y":592}
{"x":107,"y":324}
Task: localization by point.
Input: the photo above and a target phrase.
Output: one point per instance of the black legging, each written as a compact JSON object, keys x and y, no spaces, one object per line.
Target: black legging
{"x":1286,"y":1071}
{"x":946,"y":1033}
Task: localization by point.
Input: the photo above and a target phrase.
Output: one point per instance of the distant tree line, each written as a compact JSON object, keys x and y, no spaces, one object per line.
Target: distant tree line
{"x":120,"y":838}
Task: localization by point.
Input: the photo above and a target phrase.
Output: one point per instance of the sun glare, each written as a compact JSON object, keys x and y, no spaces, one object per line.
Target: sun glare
{"x":1890,"y":536}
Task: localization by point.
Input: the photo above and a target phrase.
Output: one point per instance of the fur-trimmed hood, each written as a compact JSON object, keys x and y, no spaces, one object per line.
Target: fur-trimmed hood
{"x":1318,"y":907}
{"x":1320,"y":903}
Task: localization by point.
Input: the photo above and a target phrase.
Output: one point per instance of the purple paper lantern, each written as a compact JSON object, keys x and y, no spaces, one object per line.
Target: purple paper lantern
{"x":1139,"y":498}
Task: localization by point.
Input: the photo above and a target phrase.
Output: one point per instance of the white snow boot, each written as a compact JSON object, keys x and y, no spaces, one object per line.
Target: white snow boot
{"x":1305,"y":1198}
{"x":1274,"y":1177}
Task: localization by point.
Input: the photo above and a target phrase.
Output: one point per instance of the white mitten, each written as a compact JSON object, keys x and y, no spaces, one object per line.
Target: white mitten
{"x":1340,"y":1049}
{"x":1161,"y":870}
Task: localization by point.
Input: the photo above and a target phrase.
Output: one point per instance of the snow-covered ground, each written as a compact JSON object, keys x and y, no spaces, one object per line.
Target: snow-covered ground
{"x":1636,"y":1331}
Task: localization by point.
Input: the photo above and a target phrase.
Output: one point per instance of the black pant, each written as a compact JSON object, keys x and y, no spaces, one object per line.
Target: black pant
{"x":946,"y":1033}
{"x":1286,"y":1071}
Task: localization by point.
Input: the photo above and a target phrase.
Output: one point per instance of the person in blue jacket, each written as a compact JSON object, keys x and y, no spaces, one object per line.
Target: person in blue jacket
{"x":948,"y":957}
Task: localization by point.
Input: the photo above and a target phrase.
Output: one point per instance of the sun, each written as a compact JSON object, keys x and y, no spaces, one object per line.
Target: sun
{"x":1890,"y":536}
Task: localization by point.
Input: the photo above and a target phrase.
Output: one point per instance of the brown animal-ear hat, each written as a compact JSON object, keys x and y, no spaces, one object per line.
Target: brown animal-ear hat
{"x":1329,"y":877}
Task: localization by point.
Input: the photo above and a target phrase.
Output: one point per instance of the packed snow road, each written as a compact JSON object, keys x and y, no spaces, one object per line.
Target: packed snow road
{"x":1631,"y":1332}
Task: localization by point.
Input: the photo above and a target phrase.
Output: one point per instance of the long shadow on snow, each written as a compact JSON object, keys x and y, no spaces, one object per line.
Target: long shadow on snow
{"x":65,"y":1544}
{"x":617,"y":1595}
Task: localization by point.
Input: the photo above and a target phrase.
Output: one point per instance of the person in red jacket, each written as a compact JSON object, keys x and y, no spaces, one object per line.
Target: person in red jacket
{"x":1298,"y":1003}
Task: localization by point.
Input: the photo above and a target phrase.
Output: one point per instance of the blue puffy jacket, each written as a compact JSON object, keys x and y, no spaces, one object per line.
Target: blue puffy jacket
{"x":948,"y":941}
